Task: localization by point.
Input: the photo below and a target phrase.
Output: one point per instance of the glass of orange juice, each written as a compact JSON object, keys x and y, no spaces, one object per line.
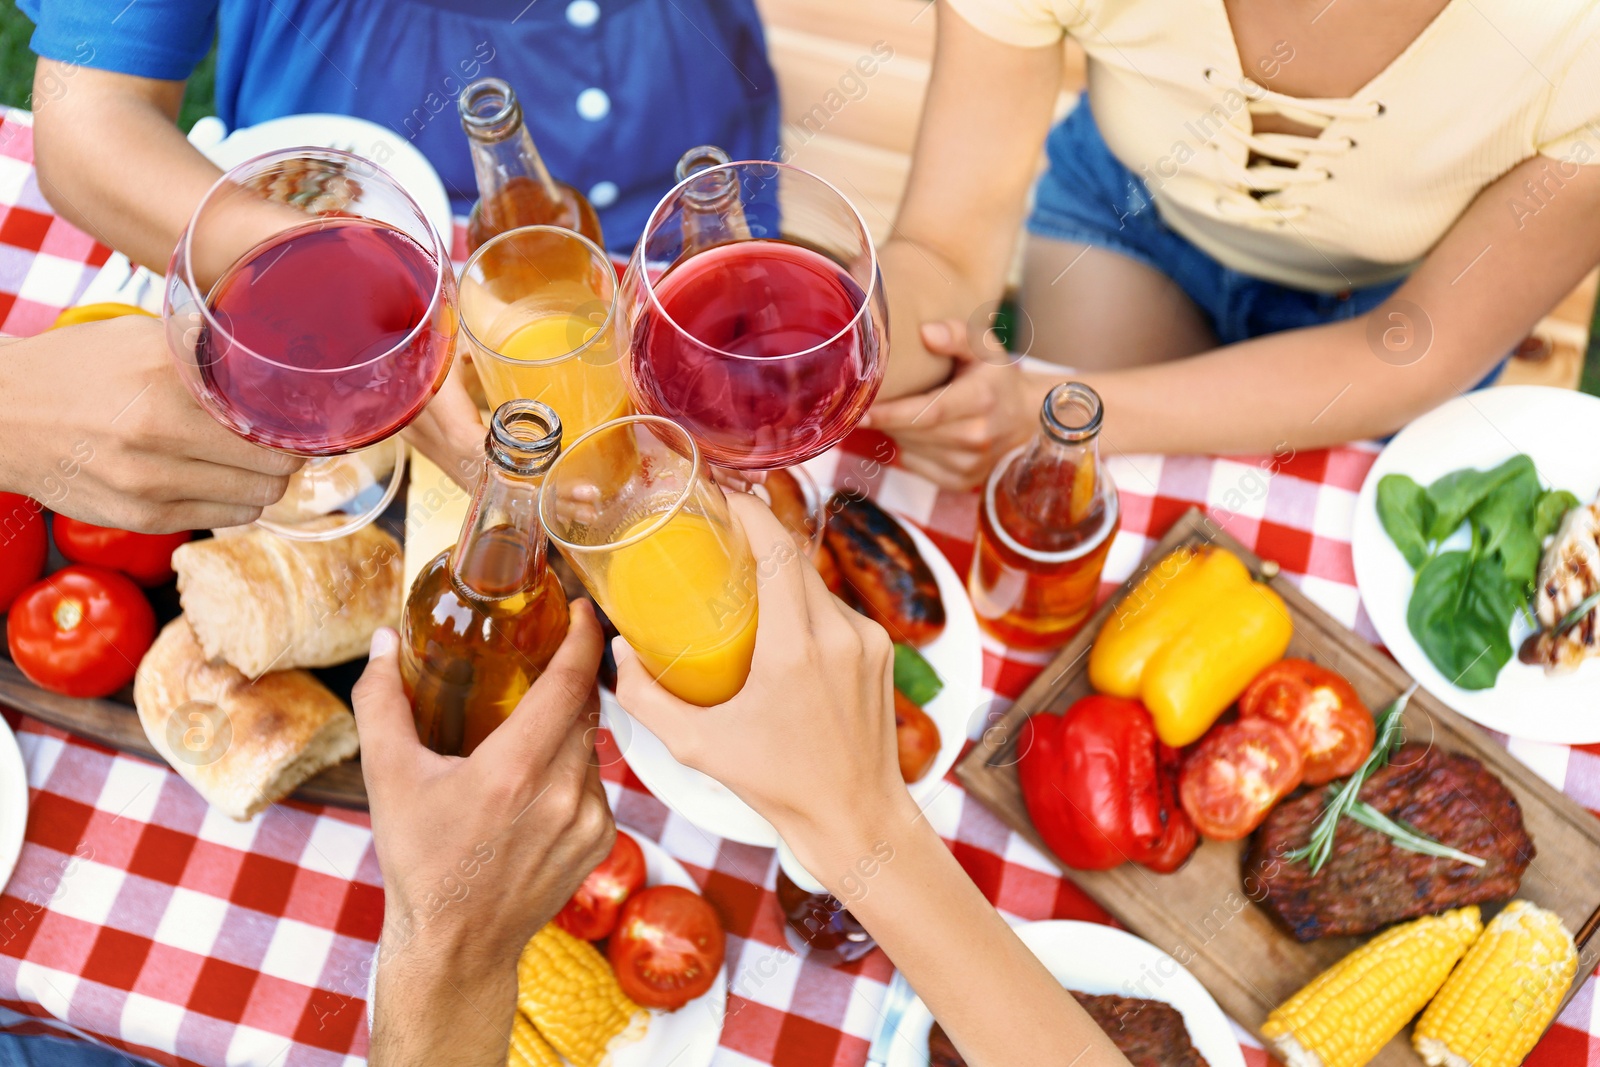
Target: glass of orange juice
{"x":538,"y":316}
{"x":631,"y":507}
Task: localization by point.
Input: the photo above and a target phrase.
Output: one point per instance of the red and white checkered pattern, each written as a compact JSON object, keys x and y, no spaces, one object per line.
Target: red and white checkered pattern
{"x":140,"y":918}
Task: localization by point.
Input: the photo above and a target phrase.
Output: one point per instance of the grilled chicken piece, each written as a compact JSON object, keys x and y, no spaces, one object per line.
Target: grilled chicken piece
{"x":1569,"y":571}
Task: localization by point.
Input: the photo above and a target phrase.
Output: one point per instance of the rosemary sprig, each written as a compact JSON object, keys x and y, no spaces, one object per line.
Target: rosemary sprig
{"x":1405,"y":835}
{"x":1388,"y":738}
{"x":1575,"y":616}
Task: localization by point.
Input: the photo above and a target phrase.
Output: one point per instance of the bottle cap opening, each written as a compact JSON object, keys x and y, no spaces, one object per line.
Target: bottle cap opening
{"x":524,"y":436}
{"x":487,"y":103}
{"x":713,"y":186}
{"x":1072,"y":412}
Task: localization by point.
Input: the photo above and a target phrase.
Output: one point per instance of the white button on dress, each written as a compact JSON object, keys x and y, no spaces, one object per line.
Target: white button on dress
{"x":583,"y":13}
{"x":603,"y":194}
{"x":594,"y":104}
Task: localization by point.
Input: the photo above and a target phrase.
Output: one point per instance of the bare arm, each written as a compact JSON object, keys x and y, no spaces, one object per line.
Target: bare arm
{"x":987,"y":112}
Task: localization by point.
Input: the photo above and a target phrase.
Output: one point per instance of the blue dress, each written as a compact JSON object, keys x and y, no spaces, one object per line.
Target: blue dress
{"x":612,"y":90}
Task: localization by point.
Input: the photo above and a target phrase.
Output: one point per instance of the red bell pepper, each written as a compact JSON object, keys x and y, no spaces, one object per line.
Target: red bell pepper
{"x":1102,"y":789}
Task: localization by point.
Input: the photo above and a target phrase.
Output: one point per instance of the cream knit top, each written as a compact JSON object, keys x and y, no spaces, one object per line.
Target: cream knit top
{"x":1487,"y":85}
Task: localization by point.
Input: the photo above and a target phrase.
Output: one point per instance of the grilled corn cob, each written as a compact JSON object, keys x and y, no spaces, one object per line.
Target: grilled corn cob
{"x":569,"y":993}
{"x":528,"y":1049}
{"x":1351,"y":1010}
{"x":1494,"y":1006}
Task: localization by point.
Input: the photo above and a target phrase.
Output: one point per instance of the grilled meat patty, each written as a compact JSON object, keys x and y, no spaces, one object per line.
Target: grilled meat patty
{"x":1149,"y":1032}
{"x":1369,"y":882}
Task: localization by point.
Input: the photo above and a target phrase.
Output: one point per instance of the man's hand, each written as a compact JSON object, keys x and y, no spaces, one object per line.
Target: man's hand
{"x":477,"y":854}
{"x":953,"y":435}
{"x":450,"y":431}
{"x":96,"y":424}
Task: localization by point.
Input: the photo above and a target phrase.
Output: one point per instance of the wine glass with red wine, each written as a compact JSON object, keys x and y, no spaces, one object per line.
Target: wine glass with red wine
{"x":756,"y":312}
{"x":311,"y":309}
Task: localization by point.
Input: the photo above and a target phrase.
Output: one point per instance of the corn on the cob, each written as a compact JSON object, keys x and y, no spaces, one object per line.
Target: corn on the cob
{"x":569,"y":993}
{"x":1351,"y":1010}
{"x":528,"y":1049}
{"x":1494,"y":1007}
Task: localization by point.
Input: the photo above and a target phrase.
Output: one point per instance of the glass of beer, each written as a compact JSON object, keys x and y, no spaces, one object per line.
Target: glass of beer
{"x":649,"y":534}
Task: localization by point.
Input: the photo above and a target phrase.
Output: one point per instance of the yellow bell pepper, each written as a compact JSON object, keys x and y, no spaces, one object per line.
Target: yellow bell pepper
{"x":76,"y":316}
{"x":1188,"y":639}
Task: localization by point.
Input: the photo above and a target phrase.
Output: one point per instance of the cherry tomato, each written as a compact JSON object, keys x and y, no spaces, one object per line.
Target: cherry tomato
{"x":1235,"y":776}
{"x":1321,"y":712}
{"x":667,"y":948}
{"x":23,"y":545}
{"x":917,"y":737}
{"x":592,"y":912}
{"x":146,"y":558}
{"x":81,"y":631}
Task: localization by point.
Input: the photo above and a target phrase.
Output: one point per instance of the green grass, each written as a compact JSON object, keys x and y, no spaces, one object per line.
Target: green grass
{"x":16,"y":69}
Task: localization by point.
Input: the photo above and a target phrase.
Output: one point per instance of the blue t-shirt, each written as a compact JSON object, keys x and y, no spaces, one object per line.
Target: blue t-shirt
{"x":612,"y":90}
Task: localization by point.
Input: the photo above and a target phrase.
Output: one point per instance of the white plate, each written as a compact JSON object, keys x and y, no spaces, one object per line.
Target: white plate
{"x":391,"y":151}
{"x":687,"y":1037}
{"x":1481,"y":430}
{"x":1092,"y":958}
{"x":957,"y":656}
{"x":13,"y":802}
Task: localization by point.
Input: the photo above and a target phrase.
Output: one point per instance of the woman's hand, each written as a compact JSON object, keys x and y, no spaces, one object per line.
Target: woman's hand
{"x":953,"y":435}
{"x":477,"y":854}
{"x":450,"y":431}
{"x":809,"y":742}
{"x":96,"y":424}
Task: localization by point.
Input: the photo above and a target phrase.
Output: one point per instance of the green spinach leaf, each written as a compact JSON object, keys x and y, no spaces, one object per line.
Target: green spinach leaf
{"x":1460,"y":613}
{"x":1552,"y":507}
{"x":1406,"y":512}
{"x":1504,"y":520}
{"x":1457,"y":493}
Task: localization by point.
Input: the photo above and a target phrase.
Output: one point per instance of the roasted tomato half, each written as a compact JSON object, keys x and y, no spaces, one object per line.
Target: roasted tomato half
{"x":592,"y":912}
{"x":23,"y":545}
{"x":667,"y":948}
{"x":1235,"y":776}
{"x":1321,"y":712}
{"x":917,"y":737}
{"x":82,"y":631}
{"x":146,"y":558}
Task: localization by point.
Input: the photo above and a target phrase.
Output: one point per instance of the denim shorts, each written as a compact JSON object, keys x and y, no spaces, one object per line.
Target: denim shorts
{"x":1088,"y":197}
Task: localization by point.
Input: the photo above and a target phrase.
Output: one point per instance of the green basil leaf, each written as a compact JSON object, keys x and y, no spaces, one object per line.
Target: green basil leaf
{"x":1457,"y":493}
{"x":915,"y":676}
{"x":1552,"y":507}
{"x":1406,"y":512}
{"x":1460,"y":613}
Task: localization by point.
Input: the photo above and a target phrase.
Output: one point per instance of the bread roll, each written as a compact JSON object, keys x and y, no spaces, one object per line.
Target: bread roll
{"x":263,"y":603}
{"x":243,"y":745}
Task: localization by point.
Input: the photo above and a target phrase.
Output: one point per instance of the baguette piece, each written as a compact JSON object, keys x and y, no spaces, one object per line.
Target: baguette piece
{"x":243,"y":745}
{"x":263,"y":603}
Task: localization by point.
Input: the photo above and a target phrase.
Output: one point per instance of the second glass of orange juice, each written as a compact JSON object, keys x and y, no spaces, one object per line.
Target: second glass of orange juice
{"x":631,"y":507}
{"x":537,"y":311}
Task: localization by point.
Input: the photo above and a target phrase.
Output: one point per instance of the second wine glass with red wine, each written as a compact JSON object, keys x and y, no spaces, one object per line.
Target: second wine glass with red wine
{"x":756,"y":312}
{"x":310,"y":307}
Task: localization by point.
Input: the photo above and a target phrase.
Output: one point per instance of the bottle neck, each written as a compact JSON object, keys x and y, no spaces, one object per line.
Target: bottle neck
{"x":502,"y":149}
{"x":501,"y":553}
{"x":713,"y":212}
{"x":1055,"y":494}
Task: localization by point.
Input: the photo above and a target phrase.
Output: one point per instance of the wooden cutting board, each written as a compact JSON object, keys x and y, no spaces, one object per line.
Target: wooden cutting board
{"x":1201,"y":915}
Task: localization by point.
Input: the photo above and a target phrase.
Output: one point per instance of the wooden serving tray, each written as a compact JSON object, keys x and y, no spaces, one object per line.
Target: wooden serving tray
{"x":1200,"y":915}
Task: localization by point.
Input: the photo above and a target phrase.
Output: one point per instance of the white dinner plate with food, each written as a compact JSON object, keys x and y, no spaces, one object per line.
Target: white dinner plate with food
{"x":687,"y":1037}
{"x":956,"y":655}
{"x":13,"y":802}
{"x":1482,"y":430}
{"x":1092,"y":958}
{"x":391,"y":151}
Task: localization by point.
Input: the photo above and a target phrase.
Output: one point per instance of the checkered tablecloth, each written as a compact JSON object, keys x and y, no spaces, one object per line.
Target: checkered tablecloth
{"x":141,"y":918}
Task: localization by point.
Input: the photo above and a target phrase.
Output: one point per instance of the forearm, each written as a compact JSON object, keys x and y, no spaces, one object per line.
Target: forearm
{"x":997,"y":1002}
{"x":114,"y":164}
{"x":925,"y":287}
{"x":431,"y":1006}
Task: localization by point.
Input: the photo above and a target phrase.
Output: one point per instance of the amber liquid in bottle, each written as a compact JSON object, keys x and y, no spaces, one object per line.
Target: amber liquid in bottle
{"x":515,"y":188}
{"x":1046,"y":523}
{"x":484,"y":618}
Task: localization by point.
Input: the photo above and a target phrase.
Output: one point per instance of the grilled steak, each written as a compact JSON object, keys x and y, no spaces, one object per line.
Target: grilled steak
{"x":1149,"y":1032}
{"x":1368,"y":882}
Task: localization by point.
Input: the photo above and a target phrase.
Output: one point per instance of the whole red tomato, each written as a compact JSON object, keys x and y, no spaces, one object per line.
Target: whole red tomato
{"x":23,"y":546}
{"x":1099,"y":787}
{"x":146,"y":558}
{"x":592,"y":912}
{"x":667,"y":948}
{"x":81,"y":631}
{"x":1321,"y":711}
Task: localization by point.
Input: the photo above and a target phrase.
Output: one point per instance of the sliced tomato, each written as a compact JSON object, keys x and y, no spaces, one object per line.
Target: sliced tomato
{"x":592,"y":912}
{"x":23,"y":545}
{"x":667,"y":948}
{"x":1235,"y":776}
{"x":916,"y":735}
{"x":146,"y":558}
{"x":82,"y":631}
{"x":1321,"y":711}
